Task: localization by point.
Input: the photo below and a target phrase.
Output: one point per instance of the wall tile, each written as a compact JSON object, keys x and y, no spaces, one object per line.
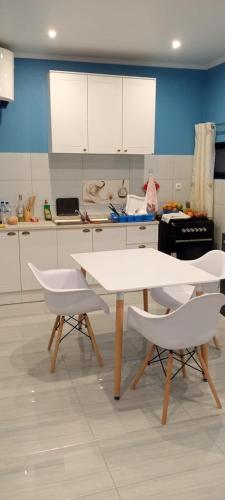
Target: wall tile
{"x":40,"y":166}
{"x":137,"y":167}
{"x":165,"y":192}
{"x":10,"y":190}
{"x":106,"y":167}
{"x":65,"y":166}
{"x":219,"y":191}
{"x":64,"y":189}
{"x":15,"y":166}
{"x":184,"y":194}
{"x":182,"y":166}
{"x":42,"y":189}
{"x":219,"y":223}
{"x":163,"y":167}
{"x":136,"y":187}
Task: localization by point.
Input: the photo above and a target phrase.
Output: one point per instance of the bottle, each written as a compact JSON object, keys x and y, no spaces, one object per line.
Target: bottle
{"x":19,"y":210}
{"x":47,"y":211}
{"x":8,"y":211}
{"x":3,"y":212}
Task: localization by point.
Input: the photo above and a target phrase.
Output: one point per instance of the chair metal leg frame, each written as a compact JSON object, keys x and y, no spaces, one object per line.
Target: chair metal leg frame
{"x":82,"y":325}
{"x":189,"y":355}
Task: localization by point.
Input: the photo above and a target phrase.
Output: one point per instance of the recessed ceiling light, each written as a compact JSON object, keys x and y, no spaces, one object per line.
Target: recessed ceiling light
{"x":176,"y":44}
{"x":51,"y":33}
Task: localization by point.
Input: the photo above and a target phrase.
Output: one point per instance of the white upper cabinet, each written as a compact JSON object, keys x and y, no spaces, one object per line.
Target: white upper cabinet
{"x":104,"y":114}
{"x":68,"y":107}
{"x":138,"y":115}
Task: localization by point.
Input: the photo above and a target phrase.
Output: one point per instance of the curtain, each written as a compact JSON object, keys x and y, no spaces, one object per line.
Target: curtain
{"x":203,"y":168}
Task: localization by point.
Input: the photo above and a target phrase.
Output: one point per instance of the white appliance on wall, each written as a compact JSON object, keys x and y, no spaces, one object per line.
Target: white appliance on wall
{"x":6,"y":77}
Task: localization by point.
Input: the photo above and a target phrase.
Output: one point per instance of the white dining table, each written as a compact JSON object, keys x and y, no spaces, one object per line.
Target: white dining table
{"x":121,"y":271}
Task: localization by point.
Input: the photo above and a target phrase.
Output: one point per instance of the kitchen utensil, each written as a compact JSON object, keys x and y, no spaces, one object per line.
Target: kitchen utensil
{"x":122,"y":191}
{"x":67,"y":206}
{"x":111,"y":206}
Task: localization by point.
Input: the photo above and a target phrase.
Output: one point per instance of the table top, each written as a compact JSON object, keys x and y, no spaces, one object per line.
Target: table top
{"x":136,"y":269}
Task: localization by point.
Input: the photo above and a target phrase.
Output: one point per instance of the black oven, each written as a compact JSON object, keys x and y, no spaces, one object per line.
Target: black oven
{"x":186,"y":238}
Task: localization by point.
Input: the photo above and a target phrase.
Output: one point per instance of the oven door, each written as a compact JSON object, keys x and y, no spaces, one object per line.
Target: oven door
{"x":192,"y":249}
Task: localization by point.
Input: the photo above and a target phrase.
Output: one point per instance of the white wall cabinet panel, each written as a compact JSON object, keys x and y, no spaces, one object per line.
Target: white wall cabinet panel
{"x":138,"y":115}
{"x":9,"y":256}
{"x":40,"y":248}
{"x":108,"y":238}
{"x":104,"y":114}
{"x":68,"y":106}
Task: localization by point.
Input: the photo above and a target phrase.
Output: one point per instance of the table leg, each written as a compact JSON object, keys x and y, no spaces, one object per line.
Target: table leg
{"x":145,"y":299}
{"x":80,"y":316}
{"x":118,"y":343}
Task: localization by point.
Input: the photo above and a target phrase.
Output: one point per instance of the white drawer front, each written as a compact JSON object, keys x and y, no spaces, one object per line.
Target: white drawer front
{"x":142,"y":234}
{"x":108,"y":238}
{"x":143,"y":245}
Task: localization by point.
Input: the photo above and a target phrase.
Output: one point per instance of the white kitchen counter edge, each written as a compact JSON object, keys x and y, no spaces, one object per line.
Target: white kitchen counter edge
{"x":35,"y":226}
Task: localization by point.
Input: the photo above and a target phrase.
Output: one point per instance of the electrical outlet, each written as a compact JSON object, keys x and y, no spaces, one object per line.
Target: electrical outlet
{"x":178,"y":186}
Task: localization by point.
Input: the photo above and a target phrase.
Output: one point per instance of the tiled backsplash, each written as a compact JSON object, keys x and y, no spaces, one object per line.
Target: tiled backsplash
{"x":62,"y":175}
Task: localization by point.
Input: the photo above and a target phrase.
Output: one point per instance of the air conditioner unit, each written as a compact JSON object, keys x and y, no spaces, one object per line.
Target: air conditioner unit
{"x":6,"y":77}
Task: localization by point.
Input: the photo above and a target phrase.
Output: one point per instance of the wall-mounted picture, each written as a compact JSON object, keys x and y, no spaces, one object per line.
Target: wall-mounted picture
{"x":99,"y":191}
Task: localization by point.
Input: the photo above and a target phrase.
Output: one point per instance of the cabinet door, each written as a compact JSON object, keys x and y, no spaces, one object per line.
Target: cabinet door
{"x":9,"y":255}
{"x":40,"y":248}
{"x":104,"y":114}
{"x":72,"y":241}
{"x":68,"y":103}
{"x":108,"y":238}
{"x":142,"y":234}
{"x":138,"y":115}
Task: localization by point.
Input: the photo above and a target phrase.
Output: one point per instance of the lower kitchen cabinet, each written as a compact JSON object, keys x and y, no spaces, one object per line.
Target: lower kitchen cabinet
{"x":109,"y":238}
{"x":143,"y":233}
{"x":40,"y":248}
{"x":72,"y":241}
{"x":9,"y":256}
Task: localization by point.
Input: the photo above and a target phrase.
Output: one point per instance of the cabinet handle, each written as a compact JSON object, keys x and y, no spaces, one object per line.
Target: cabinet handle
{"x":125,"y":150}
{"x":11,"y":233}
{"x":142,"y":227}
{"x":118,"y":150}
{"x":26,"y":233}
{"x":141,"y":246}
{"x":98,"y":230}
{"x":86,"y":230}
{"x":84,"y":149}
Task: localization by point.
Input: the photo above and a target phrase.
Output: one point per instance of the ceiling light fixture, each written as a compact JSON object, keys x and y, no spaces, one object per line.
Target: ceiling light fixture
{"x":51,"y":33}
{"x":176,"y":44}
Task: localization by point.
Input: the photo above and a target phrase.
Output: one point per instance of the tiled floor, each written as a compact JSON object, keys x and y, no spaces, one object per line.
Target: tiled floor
{"x":63,"y":437}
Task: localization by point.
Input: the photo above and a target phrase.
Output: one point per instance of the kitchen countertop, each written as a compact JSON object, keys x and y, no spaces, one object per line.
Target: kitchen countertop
{"x":30,"y":226}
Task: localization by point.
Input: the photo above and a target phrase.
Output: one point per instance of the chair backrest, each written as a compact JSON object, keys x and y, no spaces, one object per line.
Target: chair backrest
{"x":192,"y":324}
{"x":66,"y":292}
{"x":213,"y":262}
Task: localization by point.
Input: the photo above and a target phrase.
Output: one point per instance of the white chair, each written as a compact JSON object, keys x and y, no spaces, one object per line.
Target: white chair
{"x":67,"y":295}
{"x":192,"y":324}
{"x":173,"y":297}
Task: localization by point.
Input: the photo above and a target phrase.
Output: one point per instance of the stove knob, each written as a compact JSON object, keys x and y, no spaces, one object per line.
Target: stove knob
{"x":192,"y":229}
{"x":188,"y":230}
{"x":204,"y":229}
{"x":183,"y":230}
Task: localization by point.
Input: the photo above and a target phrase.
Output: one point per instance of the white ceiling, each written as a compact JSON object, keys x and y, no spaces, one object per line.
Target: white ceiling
{"x":128,"y":31}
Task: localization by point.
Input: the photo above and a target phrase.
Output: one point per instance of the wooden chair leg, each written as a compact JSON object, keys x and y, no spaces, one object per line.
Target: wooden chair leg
{"x":216,"y":343}
{"x":80,"y":319}
{"x":93,"y":341}
{"x":141,"y":370}
{"x":210,"y":382}
{"x":181,"y":352}
{"x":169,"y":369}
{"x":204,"y":354}
{"x":57,"y":342}
{"x":55,"y":327}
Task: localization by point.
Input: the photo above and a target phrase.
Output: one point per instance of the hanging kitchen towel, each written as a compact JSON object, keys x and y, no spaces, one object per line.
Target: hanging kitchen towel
{"x":151,"y":196}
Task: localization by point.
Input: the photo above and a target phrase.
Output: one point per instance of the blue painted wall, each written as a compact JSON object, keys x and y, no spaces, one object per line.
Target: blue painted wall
{"x":214,"y":99}
{"x":180,"y":97}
